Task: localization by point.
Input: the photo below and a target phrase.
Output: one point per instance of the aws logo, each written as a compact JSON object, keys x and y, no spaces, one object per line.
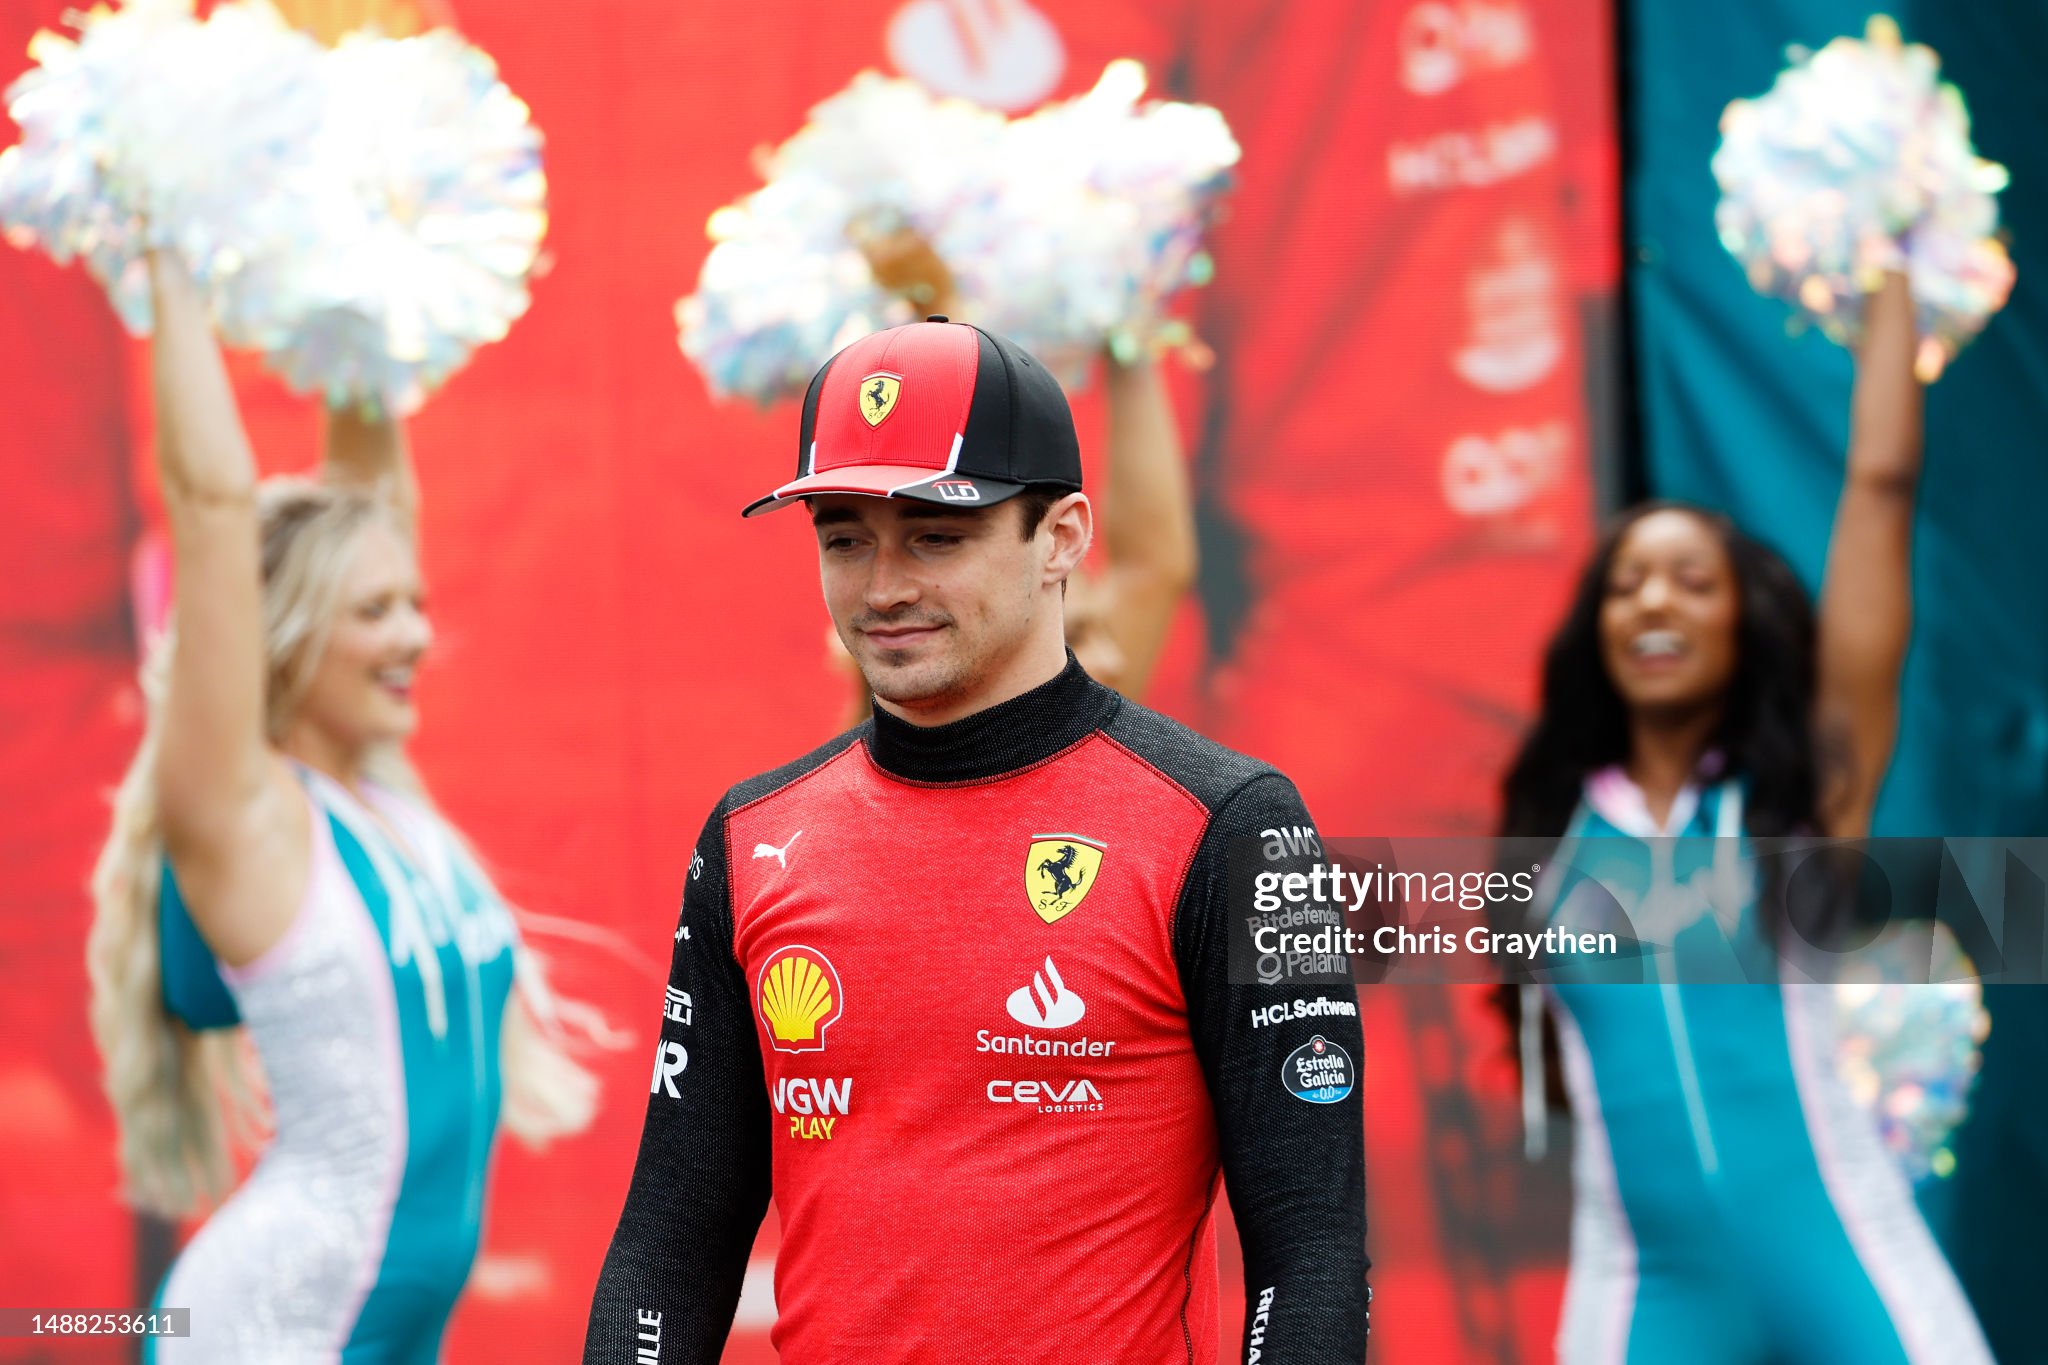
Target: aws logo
{"x":799,"y":996}
{"x":1293,"y":840}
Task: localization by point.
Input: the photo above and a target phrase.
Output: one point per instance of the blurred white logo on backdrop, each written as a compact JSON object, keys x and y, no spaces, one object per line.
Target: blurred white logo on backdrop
{"x":1442,"y":43}
{"x":1470,"y":158}
{"x":1515,"y":338}
{"x":1484,"y":476}
{"x":1002,"y":53}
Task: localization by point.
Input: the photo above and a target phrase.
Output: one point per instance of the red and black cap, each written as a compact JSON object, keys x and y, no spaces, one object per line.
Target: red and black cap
{"x":935,"y":411}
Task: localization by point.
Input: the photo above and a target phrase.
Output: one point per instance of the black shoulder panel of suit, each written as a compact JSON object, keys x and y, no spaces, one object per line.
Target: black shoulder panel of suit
{"x":1210,"y":773}
{"x":775,"y":779}
{"x":671,"y":1279}
{"x":1294,"y":1165}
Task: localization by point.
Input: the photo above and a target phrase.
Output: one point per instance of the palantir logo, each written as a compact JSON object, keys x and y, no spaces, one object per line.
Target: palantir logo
{"x":1046,"y":1002}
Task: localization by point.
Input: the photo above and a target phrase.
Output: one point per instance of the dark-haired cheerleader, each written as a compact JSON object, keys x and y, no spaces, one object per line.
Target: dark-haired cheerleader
{"x":1732,"y":1204}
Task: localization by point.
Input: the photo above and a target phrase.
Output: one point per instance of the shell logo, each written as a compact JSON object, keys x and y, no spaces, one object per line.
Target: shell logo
{"x":799,"y":996}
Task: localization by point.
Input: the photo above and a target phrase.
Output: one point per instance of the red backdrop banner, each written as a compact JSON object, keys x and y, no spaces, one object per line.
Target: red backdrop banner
{"x":1390,"y":452}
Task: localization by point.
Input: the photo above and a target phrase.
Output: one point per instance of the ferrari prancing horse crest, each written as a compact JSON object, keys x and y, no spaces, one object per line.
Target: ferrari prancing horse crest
{"x":878,"y":393}
{"x":1059,"y":872}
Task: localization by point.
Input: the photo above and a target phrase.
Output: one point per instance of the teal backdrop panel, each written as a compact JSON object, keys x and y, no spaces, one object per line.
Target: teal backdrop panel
{"x":1741,"y":414}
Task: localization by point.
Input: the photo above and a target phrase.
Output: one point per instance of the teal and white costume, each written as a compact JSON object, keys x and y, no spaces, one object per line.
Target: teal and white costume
{"x":1732,"y":1203}
{"x":377,"y":1020}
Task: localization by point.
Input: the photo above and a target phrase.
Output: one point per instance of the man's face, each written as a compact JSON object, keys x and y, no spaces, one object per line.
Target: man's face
{"x":930,"y":600}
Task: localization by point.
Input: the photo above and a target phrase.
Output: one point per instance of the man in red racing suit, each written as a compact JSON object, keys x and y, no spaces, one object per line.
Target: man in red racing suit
{"x":954,"y":986}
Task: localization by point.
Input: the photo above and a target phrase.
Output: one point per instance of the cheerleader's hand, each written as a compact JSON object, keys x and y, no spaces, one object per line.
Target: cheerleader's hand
{"x":328,"y":20}
{"x":904,"y":263}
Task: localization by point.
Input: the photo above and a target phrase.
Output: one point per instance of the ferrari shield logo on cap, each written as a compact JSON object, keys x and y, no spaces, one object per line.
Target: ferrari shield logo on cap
{"x":1059,"y":872}
{"x":878,"y":397}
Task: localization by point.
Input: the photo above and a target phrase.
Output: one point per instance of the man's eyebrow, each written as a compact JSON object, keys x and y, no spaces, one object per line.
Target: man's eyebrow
{"x":832,"y":516}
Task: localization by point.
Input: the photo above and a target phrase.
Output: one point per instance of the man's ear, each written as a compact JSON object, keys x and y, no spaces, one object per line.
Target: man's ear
{"x":1070,"y":523}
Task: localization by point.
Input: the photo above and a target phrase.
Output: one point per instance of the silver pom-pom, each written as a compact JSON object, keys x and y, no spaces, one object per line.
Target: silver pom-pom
{"x":428,"y":209}
{"x":153,"y":130}
{"x":1858,"y":161}
{"x":1065,"y":230}
{"x":1908,"y":1052}
{"x":782,"y":289}
{"x":366,"y":216}
{"x":786,"y":283}
{"x":1093,"y":219}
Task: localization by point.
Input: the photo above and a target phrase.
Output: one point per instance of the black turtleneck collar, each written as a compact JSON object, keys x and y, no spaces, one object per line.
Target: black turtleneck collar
{"x":1007,"y":736}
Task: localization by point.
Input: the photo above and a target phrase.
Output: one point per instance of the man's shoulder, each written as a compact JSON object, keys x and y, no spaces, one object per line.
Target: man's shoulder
{"x":764,"y":785}
{"x":1206,"y":770}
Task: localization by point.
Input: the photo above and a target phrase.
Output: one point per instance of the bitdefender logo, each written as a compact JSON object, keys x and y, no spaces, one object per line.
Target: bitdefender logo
{"x":1046,"y":1002}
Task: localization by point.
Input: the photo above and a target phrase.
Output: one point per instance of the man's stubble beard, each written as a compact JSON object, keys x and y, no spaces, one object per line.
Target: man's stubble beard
{"x":928,"y":682}
{"x":953,"y":675}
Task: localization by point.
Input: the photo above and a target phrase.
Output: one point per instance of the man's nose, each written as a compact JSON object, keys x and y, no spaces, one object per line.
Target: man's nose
{"x":892,"y":579}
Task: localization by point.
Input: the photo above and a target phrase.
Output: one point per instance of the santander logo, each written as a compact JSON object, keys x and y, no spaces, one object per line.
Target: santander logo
{"x":1046,"y":1002}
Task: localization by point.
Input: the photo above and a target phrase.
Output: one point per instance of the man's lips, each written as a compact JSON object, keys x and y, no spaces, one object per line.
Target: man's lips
{"x":898,"y":637}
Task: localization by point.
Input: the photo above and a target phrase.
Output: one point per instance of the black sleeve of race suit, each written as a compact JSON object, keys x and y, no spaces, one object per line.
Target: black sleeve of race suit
{"x":671,"y":1280}
{"x":1294,"y":1166}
